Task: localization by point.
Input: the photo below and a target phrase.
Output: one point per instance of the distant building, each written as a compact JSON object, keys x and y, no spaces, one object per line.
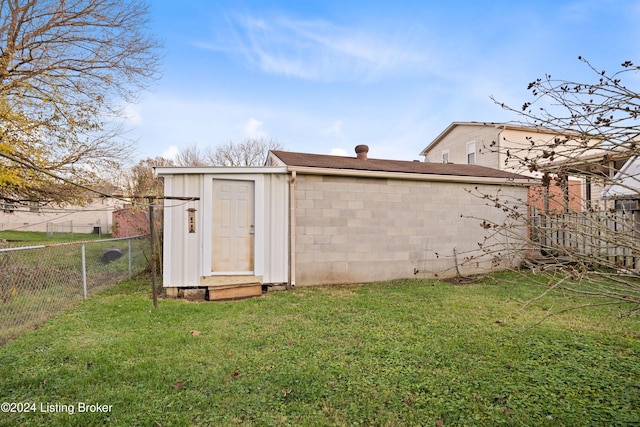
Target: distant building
{"x":93,"y":217}
{"x":624,"y":191}
{"x":501,"y":145}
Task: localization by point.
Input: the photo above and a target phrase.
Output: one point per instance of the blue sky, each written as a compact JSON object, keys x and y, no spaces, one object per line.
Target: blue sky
{"x":325,"y":76}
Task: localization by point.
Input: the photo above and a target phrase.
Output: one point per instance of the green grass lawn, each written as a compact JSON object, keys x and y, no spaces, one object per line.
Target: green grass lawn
{"x":39,"y":282}
{"x":393,"y":354}
{"x":41,"y":237}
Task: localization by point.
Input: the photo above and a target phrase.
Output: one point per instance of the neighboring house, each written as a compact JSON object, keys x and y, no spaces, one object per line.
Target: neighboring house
{"x":499,"y":145}
{"x":624,"y":192}
{"x":92,"y":217}
{"x":308,"y":219}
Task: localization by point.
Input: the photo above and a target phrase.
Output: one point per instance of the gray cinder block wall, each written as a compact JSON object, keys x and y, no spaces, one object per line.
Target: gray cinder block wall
{"x":354,"y":229}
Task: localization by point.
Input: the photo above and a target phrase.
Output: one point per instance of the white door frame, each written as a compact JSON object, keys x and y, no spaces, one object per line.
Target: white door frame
{"x":207,"y":223}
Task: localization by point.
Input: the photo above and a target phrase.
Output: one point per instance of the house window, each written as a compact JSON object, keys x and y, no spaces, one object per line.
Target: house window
{"x":445,"y":156}
{"x":471,"y":153}
{"x":34,"y":207}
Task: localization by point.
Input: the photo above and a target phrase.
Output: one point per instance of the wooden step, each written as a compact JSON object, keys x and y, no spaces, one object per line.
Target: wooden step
{"x":230,"y":292}
{"x":229,"y":280}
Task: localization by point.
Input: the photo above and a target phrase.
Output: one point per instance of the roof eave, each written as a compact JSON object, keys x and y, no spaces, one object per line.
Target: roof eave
{"x":209,"y":170}
{"x":307,"y":170}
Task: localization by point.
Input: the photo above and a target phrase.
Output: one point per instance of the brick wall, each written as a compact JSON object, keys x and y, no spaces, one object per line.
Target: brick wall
{"x":556,"y":197}
{"x":128,"y":222}
{"x":351,"y":230}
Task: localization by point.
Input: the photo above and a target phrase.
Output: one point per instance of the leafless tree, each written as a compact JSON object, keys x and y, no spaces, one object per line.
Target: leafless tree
{"x":252,"y":152}
{"x":67,"y":69}
{"x":191,"y":156}
{"x":591,"y":246}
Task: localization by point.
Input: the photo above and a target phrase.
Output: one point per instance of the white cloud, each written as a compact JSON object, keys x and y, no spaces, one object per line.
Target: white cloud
{"x":132,"y":115}
{"x":317,"y":49}
{"x":170,"y":153}
{"x":338,"y":152}
{"x":253,"y":128}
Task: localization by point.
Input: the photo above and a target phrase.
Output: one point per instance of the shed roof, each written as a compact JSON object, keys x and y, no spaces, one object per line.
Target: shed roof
{"x":382,"y":165}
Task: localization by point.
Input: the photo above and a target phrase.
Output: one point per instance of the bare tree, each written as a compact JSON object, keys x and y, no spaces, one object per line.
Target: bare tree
{"x":590,"y":248}
{"x":191,"y":156}
{"x":140,"y":180}
{"x":252,"y":152}
{"x":66,"y":70}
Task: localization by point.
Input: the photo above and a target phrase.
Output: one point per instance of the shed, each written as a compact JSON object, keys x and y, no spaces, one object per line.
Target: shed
{"x":310,"y":219}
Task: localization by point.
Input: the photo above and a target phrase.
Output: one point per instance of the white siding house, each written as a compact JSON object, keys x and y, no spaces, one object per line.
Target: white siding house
{"x":92,"y":217}
{"x":503,"y":146}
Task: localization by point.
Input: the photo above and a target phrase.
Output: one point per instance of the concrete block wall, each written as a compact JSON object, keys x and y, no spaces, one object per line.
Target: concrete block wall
{"x":352,"y":229}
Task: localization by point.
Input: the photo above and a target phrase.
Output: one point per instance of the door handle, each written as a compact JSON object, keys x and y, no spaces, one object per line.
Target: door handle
{"x":252,"y":229}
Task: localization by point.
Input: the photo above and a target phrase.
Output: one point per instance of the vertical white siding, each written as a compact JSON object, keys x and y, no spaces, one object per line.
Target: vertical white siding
{"x":187,"y":255}
{"x":182,"y":255}
{"x":276,"y":225}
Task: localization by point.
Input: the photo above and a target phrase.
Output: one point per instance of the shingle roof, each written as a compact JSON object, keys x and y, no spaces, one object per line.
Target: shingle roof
{"x":380,"y":165}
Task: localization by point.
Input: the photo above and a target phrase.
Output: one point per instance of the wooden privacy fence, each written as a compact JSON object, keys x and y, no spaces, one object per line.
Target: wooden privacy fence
{"x":606,"y":238}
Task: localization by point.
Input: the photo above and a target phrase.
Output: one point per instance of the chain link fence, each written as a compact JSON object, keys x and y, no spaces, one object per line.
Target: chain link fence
{"x":38,"y":281}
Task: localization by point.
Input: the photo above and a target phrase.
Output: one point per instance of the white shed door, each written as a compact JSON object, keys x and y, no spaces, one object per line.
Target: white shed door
{"x":233,"y":226}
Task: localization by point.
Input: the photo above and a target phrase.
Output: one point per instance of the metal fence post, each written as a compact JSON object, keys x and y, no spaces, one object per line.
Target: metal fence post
{"x":152,"y":235}
{"x":129,"y":244}
{"x":84,"y":272}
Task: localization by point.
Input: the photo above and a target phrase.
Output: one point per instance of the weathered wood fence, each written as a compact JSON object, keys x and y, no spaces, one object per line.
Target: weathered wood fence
{"x":606,"y":238}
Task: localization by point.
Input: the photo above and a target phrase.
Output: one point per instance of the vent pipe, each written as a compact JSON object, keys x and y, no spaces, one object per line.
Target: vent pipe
{"x":361,"y":152}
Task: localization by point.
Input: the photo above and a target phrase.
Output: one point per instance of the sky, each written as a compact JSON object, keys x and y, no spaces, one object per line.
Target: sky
{"x":324,"y":76}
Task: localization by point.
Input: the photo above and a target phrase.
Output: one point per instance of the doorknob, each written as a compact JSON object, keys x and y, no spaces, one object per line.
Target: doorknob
{"x":252,"y":229}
